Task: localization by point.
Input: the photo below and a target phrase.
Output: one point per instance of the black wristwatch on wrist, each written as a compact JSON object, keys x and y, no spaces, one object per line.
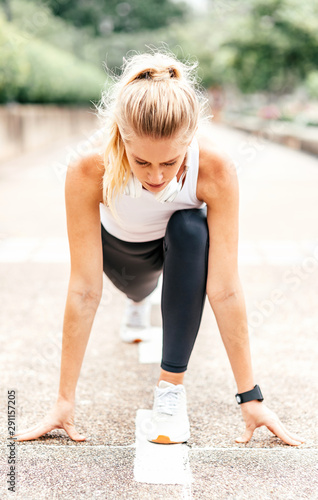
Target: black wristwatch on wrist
{"x":245,"y":397}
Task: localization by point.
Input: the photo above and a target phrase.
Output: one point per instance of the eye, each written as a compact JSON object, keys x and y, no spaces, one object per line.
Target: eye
{"x":144,"y":163}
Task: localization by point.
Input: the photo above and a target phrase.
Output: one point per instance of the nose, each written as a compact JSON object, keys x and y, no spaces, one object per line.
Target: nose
{"x":155,"y":177}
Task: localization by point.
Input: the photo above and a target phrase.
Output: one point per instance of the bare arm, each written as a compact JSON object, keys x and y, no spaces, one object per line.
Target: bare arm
{"x":220,"y":191}
{"x":79,"y":316}
{"x":225,"y":293}
{"x":82,"y":197}
{"x":224,"y":287}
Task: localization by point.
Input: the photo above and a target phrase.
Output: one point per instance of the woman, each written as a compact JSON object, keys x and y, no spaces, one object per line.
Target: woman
{"x":161,"y":199}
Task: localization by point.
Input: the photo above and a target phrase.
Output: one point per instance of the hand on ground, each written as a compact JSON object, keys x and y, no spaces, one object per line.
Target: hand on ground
{"x":60,"y":417}
{"x":256,"y":414}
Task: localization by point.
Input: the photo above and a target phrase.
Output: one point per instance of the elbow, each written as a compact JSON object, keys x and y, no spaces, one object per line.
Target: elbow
{"x":92,"y":296}
{"x":88,"y":296}
{"x":223,"y":295}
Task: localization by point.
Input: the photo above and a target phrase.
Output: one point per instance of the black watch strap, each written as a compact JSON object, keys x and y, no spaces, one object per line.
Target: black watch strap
{"x":245,"y":397}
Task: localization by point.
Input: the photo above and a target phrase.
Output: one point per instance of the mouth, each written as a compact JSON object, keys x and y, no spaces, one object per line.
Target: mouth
{"x":155,"y":185}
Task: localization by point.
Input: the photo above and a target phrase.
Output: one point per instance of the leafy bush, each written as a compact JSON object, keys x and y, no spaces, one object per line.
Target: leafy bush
{"x":13,"y":66}
{"x":34,"y":71}
{"x":56,"y":76}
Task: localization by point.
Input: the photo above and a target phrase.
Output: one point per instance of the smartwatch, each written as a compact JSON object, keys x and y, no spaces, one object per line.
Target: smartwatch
{"x":245,"y":397}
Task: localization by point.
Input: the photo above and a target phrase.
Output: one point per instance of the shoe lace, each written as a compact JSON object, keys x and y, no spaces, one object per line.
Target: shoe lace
{"x":167,"y":401}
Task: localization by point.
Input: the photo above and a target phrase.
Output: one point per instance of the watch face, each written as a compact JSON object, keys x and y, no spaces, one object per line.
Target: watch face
{"x":238,"y":398}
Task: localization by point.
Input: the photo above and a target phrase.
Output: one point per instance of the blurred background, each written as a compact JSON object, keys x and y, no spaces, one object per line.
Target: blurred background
{"x":258,"y":59}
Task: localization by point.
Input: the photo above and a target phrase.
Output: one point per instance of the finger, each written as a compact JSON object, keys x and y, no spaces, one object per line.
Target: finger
{"x":278,"y":430}
{"x":35,"y":433}
{"x":296,"y":437}
{"x":73,"y":434}
{"x":246,"y":436}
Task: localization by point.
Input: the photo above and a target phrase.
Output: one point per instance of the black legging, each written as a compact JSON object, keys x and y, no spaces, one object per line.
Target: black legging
{"x":182,"y":254}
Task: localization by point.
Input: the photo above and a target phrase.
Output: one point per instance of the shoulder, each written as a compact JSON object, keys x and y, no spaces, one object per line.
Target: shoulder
{"x":86,"y":174}
{"x":90,"y":166}
{"x":217,"y":171}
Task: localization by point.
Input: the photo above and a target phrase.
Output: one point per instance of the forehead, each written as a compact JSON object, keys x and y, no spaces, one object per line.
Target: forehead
{"x":155,"y":150}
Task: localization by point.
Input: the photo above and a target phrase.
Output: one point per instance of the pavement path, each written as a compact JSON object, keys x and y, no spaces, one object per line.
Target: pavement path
{"x":278,"y":257}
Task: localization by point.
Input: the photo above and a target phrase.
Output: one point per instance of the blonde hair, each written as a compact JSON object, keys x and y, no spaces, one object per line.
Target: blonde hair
{"x":156,"y":96}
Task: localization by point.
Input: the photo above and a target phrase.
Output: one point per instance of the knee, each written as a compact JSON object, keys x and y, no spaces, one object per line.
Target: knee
{"x":187,"y":229}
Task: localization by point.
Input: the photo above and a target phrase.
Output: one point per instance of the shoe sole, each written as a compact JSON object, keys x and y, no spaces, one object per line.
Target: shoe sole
{"x":166,"y":440}
{"x":130,"y":337}
{"x":133,"y":341}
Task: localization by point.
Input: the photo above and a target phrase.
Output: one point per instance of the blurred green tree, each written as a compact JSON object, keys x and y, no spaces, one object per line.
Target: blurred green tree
{"x":274,"y":45}
{"x":107,"y":16}
{"x":6,"y":6}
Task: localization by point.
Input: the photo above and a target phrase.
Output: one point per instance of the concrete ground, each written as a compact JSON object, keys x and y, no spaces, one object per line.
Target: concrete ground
{"x":278,"y":252}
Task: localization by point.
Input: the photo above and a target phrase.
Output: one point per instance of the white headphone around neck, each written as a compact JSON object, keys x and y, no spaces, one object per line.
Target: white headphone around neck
{"x":168,"y":194}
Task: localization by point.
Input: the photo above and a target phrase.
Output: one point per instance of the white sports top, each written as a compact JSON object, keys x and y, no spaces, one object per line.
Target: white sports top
{"x":145,"y":218}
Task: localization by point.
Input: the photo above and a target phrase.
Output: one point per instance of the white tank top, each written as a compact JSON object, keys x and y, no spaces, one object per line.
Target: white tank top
{"x":145,"y":218}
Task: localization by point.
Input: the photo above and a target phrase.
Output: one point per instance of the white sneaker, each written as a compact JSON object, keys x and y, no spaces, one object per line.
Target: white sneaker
{"x":136,"y":324}
{"x":169,"y":420}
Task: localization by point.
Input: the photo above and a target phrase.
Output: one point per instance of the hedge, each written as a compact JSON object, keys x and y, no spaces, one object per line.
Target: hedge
{"x":34,"y":71}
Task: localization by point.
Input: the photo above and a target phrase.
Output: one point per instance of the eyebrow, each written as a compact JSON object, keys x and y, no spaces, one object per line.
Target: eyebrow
{"x":169,"y":161}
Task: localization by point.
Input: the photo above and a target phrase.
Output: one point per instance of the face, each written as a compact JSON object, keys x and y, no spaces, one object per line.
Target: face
{"x":155,"y":162}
